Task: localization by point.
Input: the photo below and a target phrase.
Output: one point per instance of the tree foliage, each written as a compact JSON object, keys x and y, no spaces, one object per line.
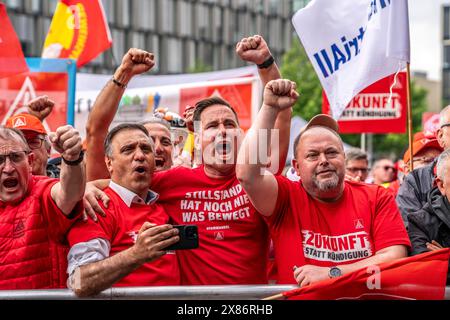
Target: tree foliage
{"x":297,"y":67}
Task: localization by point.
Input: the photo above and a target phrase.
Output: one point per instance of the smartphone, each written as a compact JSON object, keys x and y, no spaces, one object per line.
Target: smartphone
{"x":188,"y":238}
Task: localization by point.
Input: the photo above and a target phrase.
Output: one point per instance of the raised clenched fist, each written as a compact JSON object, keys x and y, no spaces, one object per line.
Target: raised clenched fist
{"x":280,"y":94}
{"x":253,"y":49}
{"x":189,"y":117}
{"x":137,"y":61}
{"x":40,"y":107}
{"x":67,"y":141}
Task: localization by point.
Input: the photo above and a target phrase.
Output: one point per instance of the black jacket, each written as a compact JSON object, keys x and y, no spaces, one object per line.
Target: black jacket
{"x":432,"y":222}
{"x":413,"y":193}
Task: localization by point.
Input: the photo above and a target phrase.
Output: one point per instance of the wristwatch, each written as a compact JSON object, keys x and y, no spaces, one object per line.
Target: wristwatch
{"x":334,"y":272}
{"x":266,"y":63}
{"x":74,"y":162}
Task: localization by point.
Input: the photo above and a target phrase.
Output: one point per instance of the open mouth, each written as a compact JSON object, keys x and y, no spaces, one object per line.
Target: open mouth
{"x":10,"y":182}
{"x":140,"y":169}
{"x":223,"y":147}
{"x":159,"y":162}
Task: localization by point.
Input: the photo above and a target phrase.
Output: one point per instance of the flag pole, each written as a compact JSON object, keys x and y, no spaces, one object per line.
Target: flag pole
{"x":275,"y":297}
{"x":408,"y":105}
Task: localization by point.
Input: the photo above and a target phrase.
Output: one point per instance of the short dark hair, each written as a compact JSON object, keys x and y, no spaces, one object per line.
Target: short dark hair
{"x":114,"y":131}
{"x":201,"y":105}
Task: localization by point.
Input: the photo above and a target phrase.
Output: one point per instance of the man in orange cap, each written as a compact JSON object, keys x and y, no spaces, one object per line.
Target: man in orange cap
{"x":37,"y":139}
{"x":413,"y":193}
{"x":425,"y":149}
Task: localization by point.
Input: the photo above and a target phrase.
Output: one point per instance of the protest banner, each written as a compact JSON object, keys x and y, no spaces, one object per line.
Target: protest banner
{"x":52,"y":77}
{"x":380,"y":108}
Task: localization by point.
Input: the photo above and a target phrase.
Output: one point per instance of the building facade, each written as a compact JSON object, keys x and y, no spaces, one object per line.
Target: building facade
{"x":185,"y":35}
{"x":446,"y":54}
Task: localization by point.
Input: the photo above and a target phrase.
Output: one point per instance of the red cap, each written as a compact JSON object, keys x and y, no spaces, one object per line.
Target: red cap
{"x":422,"y":141}
{"x":25,"y":121}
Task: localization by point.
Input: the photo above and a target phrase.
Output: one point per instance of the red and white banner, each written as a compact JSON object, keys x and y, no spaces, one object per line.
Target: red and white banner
{"x":241,"y":88}
{"x":51,"y":80}
{"x":421,"y":277}
{"x":375,"y":109}
{"x":12,"y":60}
{"x":353,"y":43}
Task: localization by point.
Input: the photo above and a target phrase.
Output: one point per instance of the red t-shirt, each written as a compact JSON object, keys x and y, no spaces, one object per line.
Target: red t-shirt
{"x":306,"y":231}
{"x":121,"y":227}
{"x":33,"y":248}
{"x":233,"y":238}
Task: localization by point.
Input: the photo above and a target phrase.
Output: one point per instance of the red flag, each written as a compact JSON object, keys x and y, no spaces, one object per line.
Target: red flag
{"x":421,"y":277}
{"x":12,"y":61}
{"x":79,"y":30}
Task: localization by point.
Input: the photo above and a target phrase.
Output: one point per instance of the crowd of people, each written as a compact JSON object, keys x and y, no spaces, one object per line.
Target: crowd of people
{"x":102,"y":214}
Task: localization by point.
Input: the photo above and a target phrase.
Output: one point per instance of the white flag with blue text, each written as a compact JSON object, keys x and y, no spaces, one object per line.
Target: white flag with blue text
{"x":353,"y":43}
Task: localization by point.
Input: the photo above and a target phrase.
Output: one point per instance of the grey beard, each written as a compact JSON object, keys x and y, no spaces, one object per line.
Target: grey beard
{"x":327,"y":185}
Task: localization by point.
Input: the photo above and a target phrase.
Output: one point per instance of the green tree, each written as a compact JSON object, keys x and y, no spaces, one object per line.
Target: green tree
{"x":200,"y":67}
{"x":297,"y":67}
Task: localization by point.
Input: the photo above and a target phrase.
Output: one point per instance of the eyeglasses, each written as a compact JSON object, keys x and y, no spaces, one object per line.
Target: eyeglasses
{"x":14,"y":157}
{"x":35,"y":143}
{"x":355,"y":170}
{"x":386,"y":168}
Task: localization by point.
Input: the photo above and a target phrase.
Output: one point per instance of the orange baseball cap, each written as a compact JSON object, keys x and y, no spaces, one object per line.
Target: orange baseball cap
{"x":422,"y":141}
{"x":25,"y":121}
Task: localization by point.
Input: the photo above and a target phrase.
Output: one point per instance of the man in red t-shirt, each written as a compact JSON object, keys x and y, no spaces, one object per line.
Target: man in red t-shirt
{"x":322,"y":226}
{"x":125,"y":247}
{"x":233,"y":238}
{"x":36,"y":212}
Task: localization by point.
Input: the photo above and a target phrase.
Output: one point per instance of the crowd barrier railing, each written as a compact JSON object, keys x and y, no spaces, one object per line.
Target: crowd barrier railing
{"x":238,"y":292}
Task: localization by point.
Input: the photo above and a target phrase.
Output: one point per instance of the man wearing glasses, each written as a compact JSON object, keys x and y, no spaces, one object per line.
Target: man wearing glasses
{"x":413,"y":193}
{"x":36,"y":211}
{"x":36,"y":137}
{"x":383,"y":172}
{"x":356,"y":165}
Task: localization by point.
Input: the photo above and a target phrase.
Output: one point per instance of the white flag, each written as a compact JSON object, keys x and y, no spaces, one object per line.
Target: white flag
{"x":353,"y":43}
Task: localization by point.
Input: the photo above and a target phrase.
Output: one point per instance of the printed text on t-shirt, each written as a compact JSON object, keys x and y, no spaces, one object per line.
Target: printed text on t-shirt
{"x":220,"y":205}
{"x":336,"y":249}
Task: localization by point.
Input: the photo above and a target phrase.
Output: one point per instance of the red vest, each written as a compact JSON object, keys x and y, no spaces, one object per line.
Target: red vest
{"x":31,"y":253}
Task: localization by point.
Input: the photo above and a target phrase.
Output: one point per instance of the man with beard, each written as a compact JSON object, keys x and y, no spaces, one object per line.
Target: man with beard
{"x":323,"y":226}
{"x":233,"y":238}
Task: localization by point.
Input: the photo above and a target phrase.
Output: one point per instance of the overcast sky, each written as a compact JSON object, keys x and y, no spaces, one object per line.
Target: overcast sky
{"x":425,"y":29}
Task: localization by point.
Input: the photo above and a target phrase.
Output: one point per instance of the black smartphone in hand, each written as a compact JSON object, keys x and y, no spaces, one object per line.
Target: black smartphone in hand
{"x":188,"y":238}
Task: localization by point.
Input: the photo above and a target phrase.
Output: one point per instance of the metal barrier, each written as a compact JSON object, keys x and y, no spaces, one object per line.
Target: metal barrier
{"x":162,"y":293}
{"x":156,"y":293}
